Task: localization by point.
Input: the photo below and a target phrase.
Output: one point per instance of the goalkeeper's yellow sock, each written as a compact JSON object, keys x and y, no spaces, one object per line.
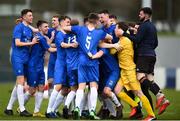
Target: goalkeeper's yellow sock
{"x":147,"y":105}
{"x":127,"y":99}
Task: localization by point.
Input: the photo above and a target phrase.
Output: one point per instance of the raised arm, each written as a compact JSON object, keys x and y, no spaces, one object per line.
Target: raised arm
{"x":136,"y":37}
{"x":35,"y":30}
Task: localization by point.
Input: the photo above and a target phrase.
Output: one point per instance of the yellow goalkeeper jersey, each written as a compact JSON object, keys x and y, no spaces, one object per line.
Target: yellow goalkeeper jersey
{"x":126,"y":55}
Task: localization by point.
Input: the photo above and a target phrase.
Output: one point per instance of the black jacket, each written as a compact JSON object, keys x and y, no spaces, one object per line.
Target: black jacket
{"x":145,"y":39}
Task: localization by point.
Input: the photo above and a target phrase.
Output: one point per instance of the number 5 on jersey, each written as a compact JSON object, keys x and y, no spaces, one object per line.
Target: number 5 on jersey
{"x":88,"y":42}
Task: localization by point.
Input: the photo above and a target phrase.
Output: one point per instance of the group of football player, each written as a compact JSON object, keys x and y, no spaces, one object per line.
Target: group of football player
{"x":103,"y":59}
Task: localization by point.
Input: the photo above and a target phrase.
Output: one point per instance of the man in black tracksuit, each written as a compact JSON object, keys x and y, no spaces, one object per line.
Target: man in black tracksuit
{"x":146,"y":41}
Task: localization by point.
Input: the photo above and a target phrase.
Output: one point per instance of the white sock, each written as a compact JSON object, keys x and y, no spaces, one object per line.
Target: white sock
{"x":58,"y":101}
{"x":38,"y":101}
{"x":93,"y":98}
{"x":87,"y":102}
{"x":110,"y":106}
{"x":79,"y":97}
{"x":72,"y":106}
{"x":115,"y":100}
{"x":51,"y":100}
{"x":50,"y":91}
{"x":69,"y":98}
{"x":13,"y":98}
{"x":26,"y":97}
{"x":83,"y":102}
{"x":20,"y":95}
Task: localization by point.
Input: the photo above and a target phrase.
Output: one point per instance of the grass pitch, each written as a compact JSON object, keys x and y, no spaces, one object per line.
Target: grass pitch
{"x":172,"y":113}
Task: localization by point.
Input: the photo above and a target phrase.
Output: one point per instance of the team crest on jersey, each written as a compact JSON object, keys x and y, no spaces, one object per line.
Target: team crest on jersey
{"x":89,"y":33}
{"x":111,"y":83}
{"x":19,"y":71}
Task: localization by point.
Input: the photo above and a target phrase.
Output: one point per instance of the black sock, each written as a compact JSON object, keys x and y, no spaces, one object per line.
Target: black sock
{"x":145,"y":89}
{"x":154,"y":88}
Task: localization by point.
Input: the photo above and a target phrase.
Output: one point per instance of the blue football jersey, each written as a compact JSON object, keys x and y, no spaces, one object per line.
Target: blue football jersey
{"x":25,"y":34}
{"x":38,"y":51}
{"x":108,"y":61}
{"x":88,"y":42}
{"x":61,"y":54}
{"x":72,"y":54}
{"x":111,"y":30}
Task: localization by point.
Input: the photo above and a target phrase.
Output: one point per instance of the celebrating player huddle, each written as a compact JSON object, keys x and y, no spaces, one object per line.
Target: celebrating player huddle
{"x":97,"y":60}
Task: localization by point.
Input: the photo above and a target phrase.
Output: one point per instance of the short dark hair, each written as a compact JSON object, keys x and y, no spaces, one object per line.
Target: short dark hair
{"x":85,"y":19}
{"x":56,"y":16}
{"x":67,"y":17}
{"x":123,"y":26}
{"x":104,"y":11}
{"x":113,"y":16}
{"x":147,"y":10}
{"x":74,"y":22}
{"x":40,"y":22}
{"x":61,"y":18}
{"x":92,"y":18}
{"x":25,"y":11}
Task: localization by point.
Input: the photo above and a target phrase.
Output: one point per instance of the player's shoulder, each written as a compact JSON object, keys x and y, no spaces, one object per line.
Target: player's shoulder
{"x":60,"y":34}
{"x":113,"y":26}
{"x":125,"y":41}
{"x":51,"y":29}
{"x":99,"y":30}
{"x":19,"y":26}
{"x":40,"y":36}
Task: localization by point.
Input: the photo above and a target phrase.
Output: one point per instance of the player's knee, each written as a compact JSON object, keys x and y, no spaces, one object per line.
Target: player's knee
{"x":107,"y":91}
{"x":32,"y":90}
{"x":94,"y":84}
{"x":20,"y":80}
{"x":141,"y":76}
{"x":41,"y":88}
{"x":58,"y":87}
{"x":150,"y":77}
{"x":64,"y":91}
{"x":74,"y":88}
{"x":141,"y":80}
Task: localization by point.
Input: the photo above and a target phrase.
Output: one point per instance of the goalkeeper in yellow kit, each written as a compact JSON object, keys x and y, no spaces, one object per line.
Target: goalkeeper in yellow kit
{"x":128,"y":74}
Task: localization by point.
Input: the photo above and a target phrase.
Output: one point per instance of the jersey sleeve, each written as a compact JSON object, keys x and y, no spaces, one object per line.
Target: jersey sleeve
{"x":103,"y":49}
{"x":102,"y":35}
{"x":49,"y":32}
{"x":59,"y":39}
{"x":44,"y":43}
{"x":75,"y":29}
{"x":17,"y":33}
